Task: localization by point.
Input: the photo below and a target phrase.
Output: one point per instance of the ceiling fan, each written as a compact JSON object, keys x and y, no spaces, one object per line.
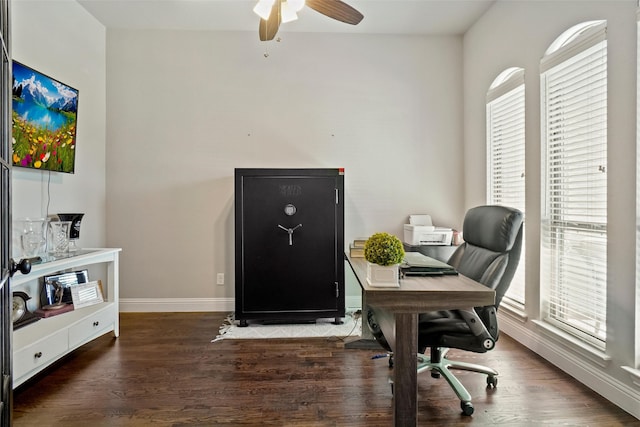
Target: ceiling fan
{"x":274,"y":12}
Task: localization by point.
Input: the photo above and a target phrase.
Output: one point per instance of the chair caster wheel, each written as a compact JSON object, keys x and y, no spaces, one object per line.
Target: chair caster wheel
{"x":467,"y":408}
{"x":492,"y":381}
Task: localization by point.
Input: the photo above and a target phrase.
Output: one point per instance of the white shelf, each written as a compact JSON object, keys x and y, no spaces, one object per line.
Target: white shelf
{"x":41,"y":343}
{"x":84,"y":257}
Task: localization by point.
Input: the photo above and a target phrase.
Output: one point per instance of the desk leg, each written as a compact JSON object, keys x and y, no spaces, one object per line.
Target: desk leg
{"x":367,"y":340}
{"x":405,"y":365}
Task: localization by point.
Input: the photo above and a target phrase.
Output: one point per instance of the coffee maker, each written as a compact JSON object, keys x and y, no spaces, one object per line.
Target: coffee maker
{"x":74,"y":232}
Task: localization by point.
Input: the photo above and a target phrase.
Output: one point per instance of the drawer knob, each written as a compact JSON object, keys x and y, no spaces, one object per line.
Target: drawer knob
{"x":38,"y":355}
{"x":96,"y":323}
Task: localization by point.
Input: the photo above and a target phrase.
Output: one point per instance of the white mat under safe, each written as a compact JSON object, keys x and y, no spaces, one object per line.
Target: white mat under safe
{"x":321,"y":328}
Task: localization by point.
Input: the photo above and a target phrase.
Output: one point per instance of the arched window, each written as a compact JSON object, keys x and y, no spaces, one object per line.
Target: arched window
{"x":505,"y":156}
{"x":573,"y":260}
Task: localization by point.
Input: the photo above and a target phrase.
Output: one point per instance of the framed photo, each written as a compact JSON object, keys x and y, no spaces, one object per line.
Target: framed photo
{"x":87,"y":294}
{"x":66,"y":280}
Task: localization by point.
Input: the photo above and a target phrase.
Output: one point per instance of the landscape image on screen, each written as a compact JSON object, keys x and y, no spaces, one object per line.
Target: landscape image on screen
{"x":44,"y":121}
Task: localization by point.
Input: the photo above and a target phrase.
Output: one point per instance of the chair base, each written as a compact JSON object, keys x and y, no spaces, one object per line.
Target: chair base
{"x":443,"y":367}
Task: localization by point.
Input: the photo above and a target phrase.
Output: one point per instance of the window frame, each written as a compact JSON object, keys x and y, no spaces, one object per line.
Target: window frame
{"x":560,"y":283}
{"x":505,"y":112}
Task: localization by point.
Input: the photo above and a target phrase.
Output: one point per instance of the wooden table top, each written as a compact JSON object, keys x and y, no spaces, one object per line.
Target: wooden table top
{"x":423,"y":293}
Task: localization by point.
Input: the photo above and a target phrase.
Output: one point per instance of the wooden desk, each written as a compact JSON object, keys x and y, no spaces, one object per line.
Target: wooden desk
{"x":416,"y":295}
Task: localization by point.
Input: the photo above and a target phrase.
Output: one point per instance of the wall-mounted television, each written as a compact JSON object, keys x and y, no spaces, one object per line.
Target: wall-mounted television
{"x":45,"y":115}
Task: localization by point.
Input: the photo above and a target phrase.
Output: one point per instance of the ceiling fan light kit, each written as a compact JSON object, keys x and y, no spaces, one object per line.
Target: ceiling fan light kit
{"x":263,"y":8}
{"x":274,"y":12}
{"x":287,"y":12}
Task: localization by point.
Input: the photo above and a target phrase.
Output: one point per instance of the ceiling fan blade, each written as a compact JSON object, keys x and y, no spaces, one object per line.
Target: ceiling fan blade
{"x":336,"y":9}
{"x":269,"y":28}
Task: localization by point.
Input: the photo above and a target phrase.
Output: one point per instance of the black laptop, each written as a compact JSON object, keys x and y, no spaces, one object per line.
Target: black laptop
{"x":417,"y":264}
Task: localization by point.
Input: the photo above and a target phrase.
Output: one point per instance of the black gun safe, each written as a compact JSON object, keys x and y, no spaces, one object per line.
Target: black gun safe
{"x":289,"y":237}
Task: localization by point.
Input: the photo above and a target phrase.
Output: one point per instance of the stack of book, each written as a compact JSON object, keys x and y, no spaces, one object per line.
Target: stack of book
{"x":356,"y":248}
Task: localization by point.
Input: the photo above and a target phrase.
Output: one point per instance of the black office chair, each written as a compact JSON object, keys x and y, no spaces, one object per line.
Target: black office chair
{"x":489,"y":255}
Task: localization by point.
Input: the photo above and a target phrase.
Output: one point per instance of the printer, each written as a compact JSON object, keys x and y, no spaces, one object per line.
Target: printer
{"x":421,"y":231}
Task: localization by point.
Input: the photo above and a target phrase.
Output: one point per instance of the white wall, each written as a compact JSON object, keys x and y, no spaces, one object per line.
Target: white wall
{"x":61,"y":39}
{"x":517,"y":33}
{"x":186,"y":108}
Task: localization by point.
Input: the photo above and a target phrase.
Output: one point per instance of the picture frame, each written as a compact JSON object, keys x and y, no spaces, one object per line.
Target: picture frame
{"x":87,"y":294}
{"x":67,"y":280}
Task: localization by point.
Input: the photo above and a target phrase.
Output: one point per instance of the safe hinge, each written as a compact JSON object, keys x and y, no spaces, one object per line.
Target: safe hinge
{"x":337,"y":290}
{"x":337,"y":197}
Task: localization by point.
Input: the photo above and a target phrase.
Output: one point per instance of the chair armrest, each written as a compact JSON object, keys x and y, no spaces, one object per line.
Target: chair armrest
{"x":484,"y":340}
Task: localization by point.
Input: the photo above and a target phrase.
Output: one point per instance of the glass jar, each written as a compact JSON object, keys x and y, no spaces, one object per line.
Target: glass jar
{"x":59,"y":237}
{"x":33,"y":238}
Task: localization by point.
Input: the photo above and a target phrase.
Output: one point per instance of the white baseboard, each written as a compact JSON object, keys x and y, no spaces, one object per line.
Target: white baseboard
{"x":151,"y":305}
{"x":353,"y":303}
{"x":580,"y":368}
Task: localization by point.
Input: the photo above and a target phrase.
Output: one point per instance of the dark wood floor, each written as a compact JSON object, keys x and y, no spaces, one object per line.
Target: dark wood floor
{"x":164,"y":371}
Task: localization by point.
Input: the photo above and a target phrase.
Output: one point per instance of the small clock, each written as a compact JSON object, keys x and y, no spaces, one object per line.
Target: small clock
{"x":21,"y":315}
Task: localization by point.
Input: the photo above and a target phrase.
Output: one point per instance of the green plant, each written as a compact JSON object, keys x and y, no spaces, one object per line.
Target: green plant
{"x":383,"y":249}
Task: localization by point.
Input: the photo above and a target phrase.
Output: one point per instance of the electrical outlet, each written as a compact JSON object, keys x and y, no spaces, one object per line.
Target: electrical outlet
{"x":220,"y":279}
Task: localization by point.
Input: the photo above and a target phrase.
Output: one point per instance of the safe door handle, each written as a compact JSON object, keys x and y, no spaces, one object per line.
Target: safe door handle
{"x":290,"y":231}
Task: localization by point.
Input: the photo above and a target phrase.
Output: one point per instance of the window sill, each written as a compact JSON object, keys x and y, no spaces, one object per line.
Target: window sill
{"x":573,"y":344}
{"x":634,"y":374}
{"x":513,"y":311}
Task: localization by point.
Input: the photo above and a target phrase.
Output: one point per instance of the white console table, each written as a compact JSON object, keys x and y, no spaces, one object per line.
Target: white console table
{"x":39,"y":344}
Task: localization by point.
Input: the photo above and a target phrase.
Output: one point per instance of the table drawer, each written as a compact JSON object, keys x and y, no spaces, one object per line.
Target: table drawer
{"x":92,"y":326}
{"x":40,"y":353}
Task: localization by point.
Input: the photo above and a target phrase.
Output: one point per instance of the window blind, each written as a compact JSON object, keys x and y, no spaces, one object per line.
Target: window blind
{"x":574,"y":217}
{"x":506,"y":160}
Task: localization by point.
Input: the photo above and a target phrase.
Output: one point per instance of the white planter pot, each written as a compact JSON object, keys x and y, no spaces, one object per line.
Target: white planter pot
{"x":383,"y":276}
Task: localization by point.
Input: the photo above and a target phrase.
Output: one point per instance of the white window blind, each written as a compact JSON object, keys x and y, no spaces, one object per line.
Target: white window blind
{"x":505,"y":157}
{"x":574,"y":217}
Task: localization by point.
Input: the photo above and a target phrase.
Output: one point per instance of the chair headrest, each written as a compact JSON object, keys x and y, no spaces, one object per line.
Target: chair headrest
{"x":492,"y":227}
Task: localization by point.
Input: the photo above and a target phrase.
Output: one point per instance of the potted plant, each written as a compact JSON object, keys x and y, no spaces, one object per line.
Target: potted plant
{"x":384,"y":253}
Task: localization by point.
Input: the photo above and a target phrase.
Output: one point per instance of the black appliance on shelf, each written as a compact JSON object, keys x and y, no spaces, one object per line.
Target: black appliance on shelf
{"x":289,"y":252}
